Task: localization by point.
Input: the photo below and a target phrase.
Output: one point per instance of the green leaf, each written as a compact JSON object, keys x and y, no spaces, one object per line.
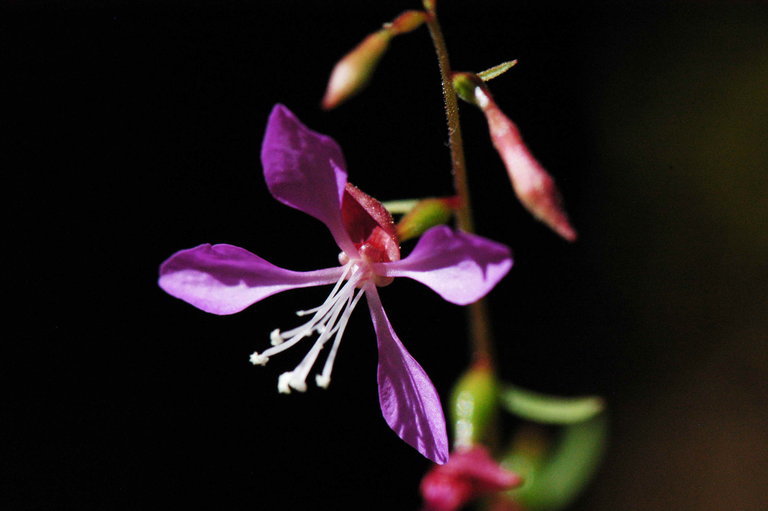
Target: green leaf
{"x":558,"y":479}
{"x":547,"y":409}
{"x":490,"y":74}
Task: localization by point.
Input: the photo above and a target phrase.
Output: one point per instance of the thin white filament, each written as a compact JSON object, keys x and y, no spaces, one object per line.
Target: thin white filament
{"x":324,"y":379}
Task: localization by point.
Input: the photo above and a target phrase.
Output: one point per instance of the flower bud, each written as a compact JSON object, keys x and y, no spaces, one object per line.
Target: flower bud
{"x":532,"y":184}
{"x":425,"y":214}
{"x":468,"y":474}
{"x":355,"y":69}
{"x":406,"y":22}
{"x":473,"y":402}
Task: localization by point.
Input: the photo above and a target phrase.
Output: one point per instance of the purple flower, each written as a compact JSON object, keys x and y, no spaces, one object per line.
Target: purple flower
{"x":305,"y":170}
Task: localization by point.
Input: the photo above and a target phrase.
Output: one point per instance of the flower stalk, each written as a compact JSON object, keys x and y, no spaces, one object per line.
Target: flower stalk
{"x":479,"y":329}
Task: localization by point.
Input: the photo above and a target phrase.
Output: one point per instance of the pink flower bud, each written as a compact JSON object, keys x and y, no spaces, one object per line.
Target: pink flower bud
{"x":407,"y":22}
{"x":533,"y":185}
{"x":354,"y":70}
{"x":352,"y":73}
{"x":468,"y":474}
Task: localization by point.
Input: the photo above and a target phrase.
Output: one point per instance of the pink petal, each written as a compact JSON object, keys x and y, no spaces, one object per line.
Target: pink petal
{"x":459,"y":266}
{"x":408,"y":399}
{"x":224,"y":279}
{"x":305,"y":170}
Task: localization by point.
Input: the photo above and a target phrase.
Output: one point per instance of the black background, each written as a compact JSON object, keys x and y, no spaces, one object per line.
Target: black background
{"x":132,"y":130}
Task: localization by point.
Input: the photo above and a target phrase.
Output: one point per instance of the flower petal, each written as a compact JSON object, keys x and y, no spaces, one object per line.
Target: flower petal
{"x":224,"y":279}
{"x":408,"y":399}
{"x":305,"y":170}
{"x":459,"y":266}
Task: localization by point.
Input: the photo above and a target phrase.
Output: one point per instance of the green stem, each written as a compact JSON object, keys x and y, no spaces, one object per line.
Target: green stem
{"x":459,"y":168}
{"x":478,"y":311}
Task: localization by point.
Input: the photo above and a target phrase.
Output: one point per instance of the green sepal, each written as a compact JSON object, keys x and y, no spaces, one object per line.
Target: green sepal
{"x":465,"y":85}
{"x":546,"y":409}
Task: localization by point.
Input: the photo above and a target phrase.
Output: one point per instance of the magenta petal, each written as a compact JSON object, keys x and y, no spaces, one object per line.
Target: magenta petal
{"x":459,"y":266}
{"x":224,"y":279}
{"x":305,"y":170}
{"x":408,"y":399}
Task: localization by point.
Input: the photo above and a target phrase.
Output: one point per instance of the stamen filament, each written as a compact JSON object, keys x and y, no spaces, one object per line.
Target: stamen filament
{"x":324,"y":379}
{"x":299,"y":377}
{"x":317,"y":322}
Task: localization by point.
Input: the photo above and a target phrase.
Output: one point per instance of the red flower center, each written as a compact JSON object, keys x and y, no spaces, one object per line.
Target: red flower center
{"x":370,"y":226}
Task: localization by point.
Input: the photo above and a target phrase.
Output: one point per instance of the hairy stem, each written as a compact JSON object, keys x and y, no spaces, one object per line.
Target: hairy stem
{"x":478,"y":312}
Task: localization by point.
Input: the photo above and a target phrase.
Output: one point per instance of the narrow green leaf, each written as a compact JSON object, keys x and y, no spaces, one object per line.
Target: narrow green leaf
{"x":546,"y":409}
{"x":490,"y":74}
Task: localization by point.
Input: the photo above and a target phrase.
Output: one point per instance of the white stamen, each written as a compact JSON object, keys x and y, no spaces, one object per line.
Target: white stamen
{"x":299,"y":379}
{"x":328,"y":319}
{"x":282,"y":383}
{"x":324,"y":379}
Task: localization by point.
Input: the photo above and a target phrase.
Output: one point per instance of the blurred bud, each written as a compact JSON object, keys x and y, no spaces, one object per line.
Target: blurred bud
{"x":468,"y":474}
{"x":425,"y":214}
{"x":355,"y":69}
{"x":473,"y":402}
{"x":532,"y":184}
{"x":406,"y":22}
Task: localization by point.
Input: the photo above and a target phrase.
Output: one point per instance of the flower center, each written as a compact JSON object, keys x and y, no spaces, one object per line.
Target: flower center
{"x":328,"y":320}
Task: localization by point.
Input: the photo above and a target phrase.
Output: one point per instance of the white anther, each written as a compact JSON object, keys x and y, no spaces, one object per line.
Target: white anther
{"x":275,"y":338}
{"x":322,"y":381}
{"x":258,"y":360}
{"x":283,"y":381}
{"x":297,"y":384}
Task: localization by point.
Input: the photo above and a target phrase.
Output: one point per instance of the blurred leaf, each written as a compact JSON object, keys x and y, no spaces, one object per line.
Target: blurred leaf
{"x":558,"y":480}
{"x":547,"y":409}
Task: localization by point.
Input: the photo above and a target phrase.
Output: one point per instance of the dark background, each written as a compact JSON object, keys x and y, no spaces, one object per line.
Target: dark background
{"x":132,"y":130}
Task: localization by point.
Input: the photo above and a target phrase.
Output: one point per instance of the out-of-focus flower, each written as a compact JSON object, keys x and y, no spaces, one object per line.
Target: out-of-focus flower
{"x":468,"y":474}
{"x":305,"y":170}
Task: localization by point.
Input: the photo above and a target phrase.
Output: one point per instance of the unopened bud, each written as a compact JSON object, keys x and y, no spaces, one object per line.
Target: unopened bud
{"x":426,"y":214}
{"x":473,"y":402}
{"x":352,"y":73}
{"x":532,"y":184}
{"x":407,"y":22}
